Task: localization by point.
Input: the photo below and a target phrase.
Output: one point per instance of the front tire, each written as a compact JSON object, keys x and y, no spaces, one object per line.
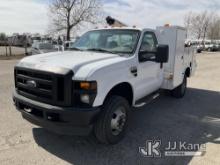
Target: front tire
{"x":112,"y":122}
{"x":180,"y":91}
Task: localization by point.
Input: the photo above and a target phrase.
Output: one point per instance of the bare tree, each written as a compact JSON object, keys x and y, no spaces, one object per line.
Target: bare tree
{"x":3,"y":42}
{"x":214,"y":30}
{"x":2,"y":37}
{"x":193,"y":23}
{"x":187,"y":22}
{"x":207,"y":19}
{"x":198,"y":23}
{"x":68,"y":14}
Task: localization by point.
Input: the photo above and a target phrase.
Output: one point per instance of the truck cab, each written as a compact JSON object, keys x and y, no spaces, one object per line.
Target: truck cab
{"x":91,"y":87}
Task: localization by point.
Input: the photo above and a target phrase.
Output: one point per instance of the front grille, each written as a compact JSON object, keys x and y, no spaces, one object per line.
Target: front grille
{"x":46,"y":87}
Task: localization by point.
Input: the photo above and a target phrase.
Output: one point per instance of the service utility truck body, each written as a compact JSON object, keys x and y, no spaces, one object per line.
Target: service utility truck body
{"x":92,"y":86}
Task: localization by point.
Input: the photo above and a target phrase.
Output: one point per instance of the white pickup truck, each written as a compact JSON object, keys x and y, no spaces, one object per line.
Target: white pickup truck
{"x":92,"y":86}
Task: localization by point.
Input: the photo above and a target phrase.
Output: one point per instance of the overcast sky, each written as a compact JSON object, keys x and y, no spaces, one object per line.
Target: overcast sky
{"x":31,"y":15}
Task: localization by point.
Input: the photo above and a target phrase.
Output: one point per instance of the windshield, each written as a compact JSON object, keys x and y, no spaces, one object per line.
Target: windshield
{"x":109,"y":40}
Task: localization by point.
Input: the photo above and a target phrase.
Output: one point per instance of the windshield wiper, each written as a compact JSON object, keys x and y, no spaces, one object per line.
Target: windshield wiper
{"x":100,"y":50}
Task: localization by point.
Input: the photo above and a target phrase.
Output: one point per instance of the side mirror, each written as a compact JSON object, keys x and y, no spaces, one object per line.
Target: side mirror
{"x":162,"y":54}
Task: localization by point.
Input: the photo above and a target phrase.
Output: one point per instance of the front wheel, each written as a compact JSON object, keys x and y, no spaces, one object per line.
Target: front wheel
{"x":111,"y":125}
{"x":180,"y":91}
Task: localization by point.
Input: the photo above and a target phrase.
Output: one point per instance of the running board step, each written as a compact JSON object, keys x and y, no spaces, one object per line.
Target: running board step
{"x":146,"y":100}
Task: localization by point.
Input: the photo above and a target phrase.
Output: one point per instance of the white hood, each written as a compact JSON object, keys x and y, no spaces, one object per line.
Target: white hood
{"x":69,"y":59}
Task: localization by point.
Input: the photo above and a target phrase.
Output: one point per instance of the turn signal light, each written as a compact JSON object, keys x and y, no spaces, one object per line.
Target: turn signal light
{"x":88,"y":85}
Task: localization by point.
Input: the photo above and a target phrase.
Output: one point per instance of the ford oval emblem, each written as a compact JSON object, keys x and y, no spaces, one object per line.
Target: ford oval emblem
{"x":31,"y":83}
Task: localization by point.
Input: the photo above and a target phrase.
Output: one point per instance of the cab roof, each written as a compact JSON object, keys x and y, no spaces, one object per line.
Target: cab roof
{"x":123,"y":28}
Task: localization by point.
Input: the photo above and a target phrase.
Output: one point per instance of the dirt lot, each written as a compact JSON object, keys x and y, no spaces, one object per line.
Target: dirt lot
{"x":194,"y":119}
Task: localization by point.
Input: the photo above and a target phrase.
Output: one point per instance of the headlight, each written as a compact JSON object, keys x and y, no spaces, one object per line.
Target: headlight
{"x":85,"y":98}
{"x":85,"y":91}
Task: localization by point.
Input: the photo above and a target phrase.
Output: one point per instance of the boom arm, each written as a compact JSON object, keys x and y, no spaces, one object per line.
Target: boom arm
{"x":114,"y":22}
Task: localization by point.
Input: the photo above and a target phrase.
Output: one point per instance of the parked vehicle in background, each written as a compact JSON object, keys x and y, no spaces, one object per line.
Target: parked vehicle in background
{"x":216,"y":46}
{"x":208,"y":45}
{"x":68,"y":44}
{"x":47,"y":39}
{"x":42,"y":47}
{"x":199,"y":48}
{"x":36,"y":38}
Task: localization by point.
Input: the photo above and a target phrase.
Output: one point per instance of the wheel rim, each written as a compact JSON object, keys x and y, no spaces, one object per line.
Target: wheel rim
{"x":118,"y":121}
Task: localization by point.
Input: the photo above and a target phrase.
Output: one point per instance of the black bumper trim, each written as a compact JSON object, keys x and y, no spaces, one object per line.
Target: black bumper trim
{"x":62,"y":120}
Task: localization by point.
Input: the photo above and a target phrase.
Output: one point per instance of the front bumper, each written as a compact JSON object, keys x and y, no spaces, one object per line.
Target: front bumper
{"x":62,"y":120}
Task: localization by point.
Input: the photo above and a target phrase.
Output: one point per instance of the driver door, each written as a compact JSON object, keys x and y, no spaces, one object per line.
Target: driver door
{"x":149,"y":72}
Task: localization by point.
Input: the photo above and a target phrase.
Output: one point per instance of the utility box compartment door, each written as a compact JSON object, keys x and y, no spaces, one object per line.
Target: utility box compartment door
{"x":179,"y":66}
{"x":175,"y":37}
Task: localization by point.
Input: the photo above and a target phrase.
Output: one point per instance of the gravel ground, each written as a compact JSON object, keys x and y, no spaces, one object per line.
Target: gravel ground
{"x":194,"y":119}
